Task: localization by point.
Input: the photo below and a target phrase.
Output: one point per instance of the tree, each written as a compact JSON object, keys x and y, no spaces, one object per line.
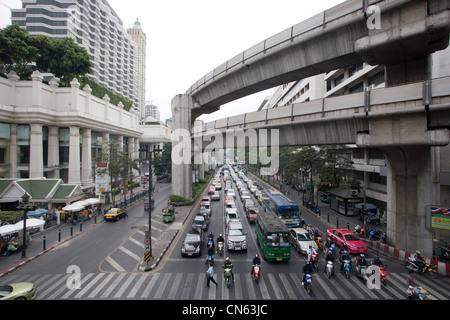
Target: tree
{"x":23,"y":53}
{"x":334,"y":163}
{"x":66,"y":60}
{"x":19,"y":51}
{"x":163,"y":164}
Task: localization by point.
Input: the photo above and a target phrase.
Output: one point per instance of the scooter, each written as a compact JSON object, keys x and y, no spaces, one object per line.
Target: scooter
{"x":314,"y":261}
{"x":418,"y":293}
{"x":346,"y":268}
{"x":429,"y":270}
{"x":329,"y":269}
{"x":227,"y":277}
{"x":256,"y":272}
{"x":361,"y":271}
{"x":209,"y":259}
{"x":383,"y":275}
{"x":307,"y":283}
{"x":220,"y":248}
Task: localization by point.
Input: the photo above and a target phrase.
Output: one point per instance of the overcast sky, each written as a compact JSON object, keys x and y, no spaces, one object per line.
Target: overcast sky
{"x":188,"y":39}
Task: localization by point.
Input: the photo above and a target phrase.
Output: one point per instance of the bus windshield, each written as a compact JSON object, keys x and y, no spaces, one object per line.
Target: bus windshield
{"x":277,"y":240}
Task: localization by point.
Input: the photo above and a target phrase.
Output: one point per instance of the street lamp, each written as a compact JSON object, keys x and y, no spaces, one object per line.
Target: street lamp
{"x":25,"y":207}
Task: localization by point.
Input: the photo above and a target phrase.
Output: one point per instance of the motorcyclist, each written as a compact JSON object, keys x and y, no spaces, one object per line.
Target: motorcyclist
{"x":310,"y":251}
{"x":377,"y":261}
{"x":307,"y":269}
{"x":344,"y":256}
{"x":343,"y":248}
{"x":210,"y":252}
{"x":256,"y":261}
{"x":418,"y":259}
{"x":328,"y":257}
{"x":227,"y":264}
{"x":220,"y":239}
{"x":211,"y":239}
{"x":362,"y":262}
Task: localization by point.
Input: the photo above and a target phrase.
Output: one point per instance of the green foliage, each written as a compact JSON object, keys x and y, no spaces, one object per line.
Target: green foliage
{"x":100,"y":91}
{"x":65,"y":59}
{"x":162,"y":164}
{"x":11,"y":216}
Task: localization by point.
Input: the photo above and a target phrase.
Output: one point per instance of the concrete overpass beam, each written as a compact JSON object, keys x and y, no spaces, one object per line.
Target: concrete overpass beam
{"x":404,"y":38}
{"x":182,"y":146}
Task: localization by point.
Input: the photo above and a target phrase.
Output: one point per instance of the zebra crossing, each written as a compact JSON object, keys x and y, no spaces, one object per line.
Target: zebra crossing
{"x":192,"y":286}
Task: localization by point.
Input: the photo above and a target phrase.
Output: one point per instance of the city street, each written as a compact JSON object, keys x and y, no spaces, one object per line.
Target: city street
{"x":108,"y":256}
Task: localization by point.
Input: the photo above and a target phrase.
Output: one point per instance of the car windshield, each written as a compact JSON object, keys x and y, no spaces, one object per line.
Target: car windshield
{"x":192,"y":239}
{"x":231,"y":205}
{"x":4,"y":290}
{"x":232,"y":216}
{"x":235,"y":232}
{"x":277,"y":240}
{"x":112,"y":212}
{"x":304,"y":237}
{"x":350,"y":237}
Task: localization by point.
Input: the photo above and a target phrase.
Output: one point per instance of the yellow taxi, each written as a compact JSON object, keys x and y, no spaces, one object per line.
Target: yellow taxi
{"x":218,"y":186}
{"x":114,"y":214}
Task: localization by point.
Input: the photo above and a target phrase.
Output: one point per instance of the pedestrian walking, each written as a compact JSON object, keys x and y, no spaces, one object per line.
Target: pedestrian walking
{"x":125,"y":213}
{"x":210,"y":275}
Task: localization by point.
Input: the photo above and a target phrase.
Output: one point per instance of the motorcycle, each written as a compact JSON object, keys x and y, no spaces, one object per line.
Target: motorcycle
{"x":418,"y":293}
{"x":383,"y":275}
{"x":307,"y":283}
{"x":429,"y":270}
{"x":375,"y":234}
{"x":383,"y":238}
{"x":361,"y":271}
{"x":319,"y":242}
{"x":220,"y":248}
{"x":314,"y":261}
{"x":209,"y":259}
{"x":329,"y":269}
{"x":346,"y":267}
{"x":256,"y":272}
{"x":227,"y":276}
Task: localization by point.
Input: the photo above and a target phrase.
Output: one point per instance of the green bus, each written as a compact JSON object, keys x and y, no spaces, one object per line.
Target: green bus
{"x":273,"y":237}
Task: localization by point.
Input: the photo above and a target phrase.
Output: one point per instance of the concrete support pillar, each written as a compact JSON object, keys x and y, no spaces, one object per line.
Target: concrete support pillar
{"x":408,"y":146}
{"x":182,"y":146}
{"x":74,"y":155}
{"x":86,"y":161}
{"x":53,"y":152}
{"x":409,"y":191}
{"x":36,"y":151}
{"x":13,"y":152}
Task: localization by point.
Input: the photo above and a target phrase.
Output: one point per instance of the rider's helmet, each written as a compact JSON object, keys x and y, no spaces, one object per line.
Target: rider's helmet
{"x":418,"y":252}
{"x":227,"y":260}
{"x":345,"y":251}
{"x":256,"y":255}
{"x":361,"y":255}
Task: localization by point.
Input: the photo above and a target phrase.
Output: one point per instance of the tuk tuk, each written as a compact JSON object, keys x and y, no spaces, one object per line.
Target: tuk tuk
{"x":147,"y":205}
{"x":169,"y":214}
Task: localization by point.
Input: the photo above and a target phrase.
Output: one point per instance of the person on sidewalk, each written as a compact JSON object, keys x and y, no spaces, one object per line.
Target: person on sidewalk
{"x":210,"y":275}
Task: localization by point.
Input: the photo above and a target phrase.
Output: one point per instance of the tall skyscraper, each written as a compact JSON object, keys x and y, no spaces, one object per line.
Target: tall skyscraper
{"x":140,"y":39}
{"x":94,"y":25}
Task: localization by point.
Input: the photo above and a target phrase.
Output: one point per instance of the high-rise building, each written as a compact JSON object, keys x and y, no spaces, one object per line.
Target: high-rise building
{"x":152,"y":111}
{"x":140,"y":39}
{"x":94,"y":25}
